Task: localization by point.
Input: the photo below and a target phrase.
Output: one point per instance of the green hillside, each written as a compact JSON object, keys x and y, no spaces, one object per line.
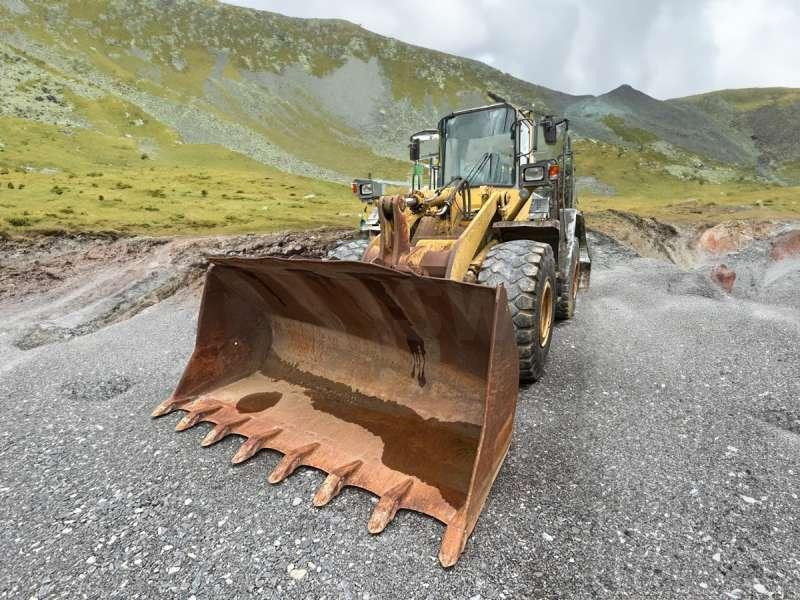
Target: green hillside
{"x":195,"y":116}
{"x":769,"y":117}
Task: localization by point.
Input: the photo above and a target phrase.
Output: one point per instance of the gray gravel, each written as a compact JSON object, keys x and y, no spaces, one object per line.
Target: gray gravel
{"x":658,"y":458}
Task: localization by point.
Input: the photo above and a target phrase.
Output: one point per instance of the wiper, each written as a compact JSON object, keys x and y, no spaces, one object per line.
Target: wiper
{"x":487,"y":156}
{"x":467,"y":182}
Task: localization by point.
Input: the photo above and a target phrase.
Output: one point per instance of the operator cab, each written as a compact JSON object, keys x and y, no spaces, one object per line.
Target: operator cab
{"x":490,"y":145}
{"x":479,"y":146}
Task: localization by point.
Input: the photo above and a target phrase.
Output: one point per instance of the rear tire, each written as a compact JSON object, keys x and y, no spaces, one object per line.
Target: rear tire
{"x":349,"y":250}
{"x":565,"y":308}
{"x":527,"y":270}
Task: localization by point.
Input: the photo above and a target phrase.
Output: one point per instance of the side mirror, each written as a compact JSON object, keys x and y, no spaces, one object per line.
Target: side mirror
{"x":413,"y":150}
{"x":550,"y":131}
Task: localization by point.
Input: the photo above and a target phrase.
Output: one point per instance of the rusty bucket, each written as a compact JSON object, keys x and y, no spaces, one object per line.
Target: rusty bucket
{"x":399,"y":384}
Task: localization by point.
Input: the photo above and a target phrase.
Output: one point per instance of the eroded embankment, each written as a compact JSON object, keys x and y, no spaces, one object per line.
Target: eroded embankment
{"x":758,"y":261}
{"x":56,"y":288}
{"x":60,"y":287}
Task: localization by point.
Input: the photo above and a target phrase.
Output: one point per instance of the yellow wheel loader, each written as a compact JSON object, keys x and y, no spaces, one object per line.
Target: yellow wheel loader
{"x":395,"y":369}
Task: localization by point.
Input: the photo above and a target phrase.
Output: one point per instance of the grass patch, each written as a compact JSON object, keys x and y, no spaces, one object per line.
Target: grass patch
{"x":643,"y":187}
{"x":81,"y":180}
{"x":135,"y":209}
{"x":19,"y":221}
{"x":749,"y":99}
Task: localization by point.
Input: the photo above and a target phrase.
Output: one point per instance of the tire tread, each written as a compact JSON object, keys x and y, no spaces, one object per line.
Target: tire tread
{"x":519,"y":265}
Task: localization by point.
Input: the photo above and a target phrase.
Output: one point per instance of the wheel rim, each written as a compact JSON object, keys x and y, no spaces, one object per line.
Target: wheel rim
{"x":545,"y":313}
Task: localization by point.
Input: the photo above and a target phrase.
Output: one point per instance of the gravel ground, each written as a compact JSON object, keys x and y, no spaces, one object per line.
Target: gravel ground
{"x":658,"y":458}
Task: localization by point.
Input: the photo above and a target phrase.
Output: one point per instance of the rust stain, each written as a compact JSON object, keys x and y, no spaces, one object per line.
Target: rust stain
{"x":409,"y":440}
{"x":417,"y":348}
{"x":415,"y":343}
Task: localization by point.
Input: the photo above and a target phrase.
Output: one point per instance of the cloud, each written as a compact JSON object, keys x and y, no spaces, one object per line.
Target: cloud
{"x":758,"y":42}
{"x":666,"y":48}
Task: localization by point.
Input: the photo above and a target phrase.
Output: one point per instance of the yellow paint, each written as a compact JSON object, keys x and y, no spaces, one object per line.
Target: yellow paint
{"x":476,"y":262}
{"x":522,"y":214}
{"x":470,"y":241}
{"x":435,"y":243}
{"x":511,"y":204}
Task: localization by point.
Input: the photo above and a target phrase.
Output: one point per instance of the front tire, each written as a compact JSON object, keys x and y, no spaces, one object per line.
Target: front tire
{"x":527,"y":270}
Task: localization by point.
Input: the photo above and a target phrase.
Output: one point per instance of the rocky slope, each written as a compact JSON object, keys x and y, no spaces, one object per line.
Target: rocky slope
{"x":324,"y":98}
{"x":767,"y":120}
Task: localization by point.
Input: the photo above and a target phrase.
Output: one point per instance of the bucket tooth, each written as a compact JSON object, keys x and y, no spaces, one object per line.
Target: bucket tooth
{"x":453,"y":541}
{"x":387,"y":506}
{"x":192,"y":418}
{"x":220,"y":431}
{"x":252,"y":445}
{"x":167,"y":406}
{"x":291,"y":461}
{"x":334,"y":482}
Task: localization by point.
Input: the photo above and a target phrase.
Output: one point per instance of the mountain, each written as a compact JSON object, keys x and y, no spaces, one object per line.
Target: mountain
{"x":682,"y":124}
{"x":320,"y":98}
{"x":768,"y":117}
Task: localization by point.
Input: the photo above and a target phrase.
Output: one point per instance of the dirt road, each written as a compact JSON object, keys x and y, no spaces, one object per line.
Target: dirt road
{"x":658,"y":458}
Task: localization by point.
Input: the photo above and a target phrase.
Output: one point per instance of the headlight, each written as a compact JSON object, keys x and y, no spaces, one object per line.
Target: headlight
{"x":533,"y":174}
{"x":368,"y":189}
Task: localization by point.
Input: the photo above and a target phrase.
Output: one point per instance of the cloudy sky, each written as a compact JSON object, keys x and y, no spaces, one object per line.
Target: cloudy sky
{"x":666,"y":48}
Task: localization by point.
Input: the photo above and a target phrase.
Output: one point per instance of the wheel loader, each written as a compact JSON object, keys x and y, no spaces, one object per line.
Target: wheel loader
{"x":395,"y":368}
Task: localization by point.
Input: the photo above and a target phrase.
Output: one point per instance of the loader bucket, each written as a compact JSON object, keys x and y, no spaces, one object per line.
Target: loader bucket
{"x":399,"y":384}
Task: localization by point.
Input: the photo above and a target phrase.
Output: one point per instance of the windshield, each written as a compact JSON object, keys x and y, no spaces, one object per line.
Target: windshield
{"x":479,"y":147}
